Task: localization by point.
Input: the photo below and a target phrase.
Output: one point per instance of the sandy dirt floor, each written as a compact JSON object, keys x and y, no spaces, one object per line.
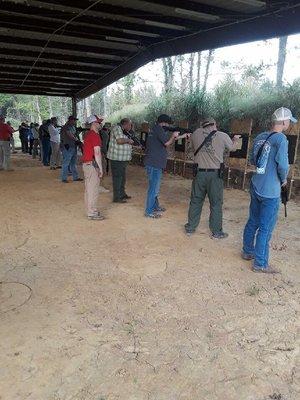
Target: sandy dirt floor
{"x":131,"y":308}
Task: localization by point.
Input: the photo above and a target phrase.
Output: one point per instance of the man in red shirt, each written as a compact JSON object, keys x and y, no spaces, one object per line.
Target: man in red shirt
{"x":5,"y":135}
{"x":92,"y":167}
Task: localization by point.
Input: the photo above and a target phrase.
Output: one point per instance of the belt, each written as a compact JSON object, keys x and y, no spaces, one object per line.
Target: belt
{"x":208,"y":169}
{"x":88,"y":163}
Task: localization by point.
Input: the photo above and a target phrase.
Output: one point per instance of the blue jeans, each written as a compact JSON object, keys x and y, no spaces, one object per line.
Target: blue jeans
{"x":46,"y":150}
{"x":262,"y":220}
{"x":69,"y":160}
{"x":154,"y":179}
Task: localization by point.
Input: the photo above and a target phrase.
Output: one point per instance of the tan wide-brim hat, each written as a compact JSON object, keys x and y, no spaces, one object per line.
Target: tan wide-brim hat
{"x":208,"y":122}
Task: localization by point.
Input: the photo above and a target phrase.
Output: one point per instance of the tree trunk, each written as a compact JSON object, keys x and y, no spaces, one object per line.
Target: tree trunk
{"x":128,"y":83}
{"x":281,"y":60}
{"x":209,"y":60}
{"x":38,"y":111}
{"x":16,"y":106}
{"x":64,"y":110}
{"x":199,"y":59}
{"x":191,"y":72}
{"x":50,"y":106}
{"x":168,"y":69}
{"x":105,"y":102}
{"x":86,"y":108}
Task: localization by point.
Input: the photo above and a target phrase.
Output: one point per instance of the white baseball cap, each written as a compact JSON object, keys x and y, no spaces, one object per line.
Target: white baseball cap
{"x":283,"y":114}
{"x":94,"y":118}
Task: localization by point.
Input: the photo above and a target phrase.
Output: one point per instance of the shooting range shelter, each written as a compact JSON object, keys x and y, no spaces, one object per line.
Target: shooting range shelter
{"x":75,"y":48}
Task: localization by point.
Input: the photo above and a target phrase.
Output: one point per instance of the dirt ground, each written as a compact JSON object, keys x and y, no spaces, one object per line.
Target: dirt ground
{"x":132,"y":309}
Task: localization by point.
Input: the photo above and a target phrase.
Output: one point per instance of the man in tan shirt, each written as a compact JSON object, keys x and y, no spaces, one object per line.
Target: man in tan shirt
{"x":208,"y":180}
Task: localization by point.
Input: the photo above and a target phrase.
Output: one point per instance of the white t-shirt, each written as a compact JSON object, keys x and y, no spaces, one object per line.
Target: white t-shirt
{"x":54,"y":134}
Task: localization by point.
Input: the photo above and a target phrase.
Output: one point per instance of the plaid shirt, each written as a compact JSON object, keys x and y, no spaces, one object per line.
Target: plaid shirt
{"x":118,"y":152}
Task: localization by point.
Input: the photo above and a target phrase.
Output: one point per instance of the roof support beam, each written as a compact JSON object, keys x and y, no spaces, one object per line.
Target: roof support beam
{"x":38,"y":92}
{"x":83,"y":55}
{"x":61,"y":78}
{"x":113,"y":17}
{"x":89,"y":43}
{"x":55,"y":63}
{"x":82,"y":28}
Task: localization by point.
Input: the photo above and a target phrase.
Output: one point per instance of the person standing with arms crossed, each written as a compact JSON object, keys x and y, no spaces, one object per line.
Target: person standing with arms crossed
{"x":270,"y":156}
{"x":92,"y":167}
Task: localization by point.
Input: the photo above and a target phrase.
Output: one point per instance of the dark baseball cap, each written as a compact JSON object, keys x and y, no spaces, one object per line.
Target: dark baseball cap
{"x":72,"y":118}
{"x":164,"y":118}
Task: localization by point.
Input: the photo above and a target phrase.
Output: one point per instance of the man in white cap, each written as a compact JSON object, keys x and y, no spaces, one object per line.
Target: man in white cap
{"x":270,"y":157}
{"x":92,"y":167}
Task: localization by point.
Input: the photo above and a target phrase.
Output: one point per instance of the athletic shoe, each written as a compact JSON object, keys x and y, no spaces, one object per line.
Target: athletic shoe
{"x":246,"y":256}
{"x":97,"y":217}
{"x":160,"y":209}
{"x":153,"y":215}
{"x":267,"y":270}
{"x":102,"y":189}
{"x":219,"y":235}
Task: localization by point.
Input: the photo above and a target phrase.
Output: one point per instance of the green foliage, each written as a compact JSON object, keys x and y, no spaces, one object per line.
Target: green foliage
{"x":248,"y":98}
{"x":18,"y":108}
{"x":135,"y":112}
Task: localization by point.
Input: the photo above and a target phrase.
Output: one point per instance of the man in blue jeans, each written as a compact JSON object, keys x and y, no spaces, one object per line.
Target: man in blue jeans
{"x":155,"y":162}
{"x":69,"y":150}
{"x":270,"y":156}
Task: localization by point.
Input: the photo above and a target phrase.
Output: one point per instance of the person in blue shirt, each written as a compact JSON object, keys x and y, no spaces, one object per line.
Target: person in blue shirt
{"x":159,"y":138}
{"x":270,"y":157}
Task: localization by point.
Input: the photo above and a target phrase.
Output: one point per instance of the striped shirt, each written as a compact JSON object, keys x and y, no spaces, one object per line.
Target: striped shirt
{"x":118,"y":152}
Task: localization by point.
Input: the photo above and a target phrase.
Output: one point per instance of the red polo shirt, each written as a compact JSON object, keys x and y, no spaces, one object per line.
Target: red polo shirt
{"x":91,"y":140}
{"x":5,"y":131}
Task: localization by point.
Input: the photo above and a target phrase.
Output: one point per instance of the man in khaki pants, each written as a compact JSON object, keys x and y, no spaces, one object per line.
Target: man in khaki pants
{"x":92,"y":167}
{"x":5,"y":134}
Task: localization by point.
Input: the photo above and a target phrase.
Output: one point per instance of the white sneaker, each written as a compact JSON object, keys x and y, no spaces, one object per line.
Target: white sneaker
{"x":102,"y":189}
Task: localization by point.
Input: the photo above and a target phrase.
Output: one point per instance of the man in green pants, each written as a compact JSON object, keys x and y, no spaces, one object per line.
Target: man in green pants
{"x":209,"y":146}
{"x":119,"y":153}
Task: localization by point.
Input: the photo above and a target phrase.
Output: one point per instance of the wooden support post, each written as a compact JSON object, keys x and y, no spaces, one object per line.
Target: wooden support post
{"x":239,"y":159}
{"x":293,"y":150}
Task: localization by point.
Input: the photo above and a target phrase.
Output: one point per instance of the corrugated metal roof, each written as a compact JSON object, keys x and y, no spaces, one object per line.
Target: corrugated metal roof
{"x":74,"y":47}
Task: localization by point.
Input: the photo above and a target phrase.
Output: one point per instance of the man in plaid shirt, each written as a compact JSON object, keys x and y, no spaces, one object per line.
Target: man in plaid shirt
{"x":119,"y":153}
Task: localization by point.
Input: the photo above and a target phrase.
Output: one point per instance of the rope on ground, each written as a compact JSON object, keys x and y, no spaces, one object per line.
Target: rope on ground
{"x":24,"y":302}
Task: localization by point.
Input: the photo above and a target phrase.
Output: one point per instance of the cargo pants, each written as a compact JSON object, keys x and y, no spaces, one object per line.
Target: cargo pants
{"x":206,"y":183}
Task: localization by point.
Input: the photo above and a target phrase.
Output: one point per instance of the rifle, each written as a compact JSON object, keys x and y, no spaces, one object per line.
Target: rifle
{"x":181,"y":131}
{"x":284,"y":198}
{"x":131,"y":136}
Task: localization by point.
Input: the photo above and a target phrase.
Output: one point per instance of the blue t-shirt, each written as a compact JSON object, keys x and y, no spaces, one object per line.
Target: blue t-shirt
{"x":156,"y":151}
{"x":273,"y":165}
